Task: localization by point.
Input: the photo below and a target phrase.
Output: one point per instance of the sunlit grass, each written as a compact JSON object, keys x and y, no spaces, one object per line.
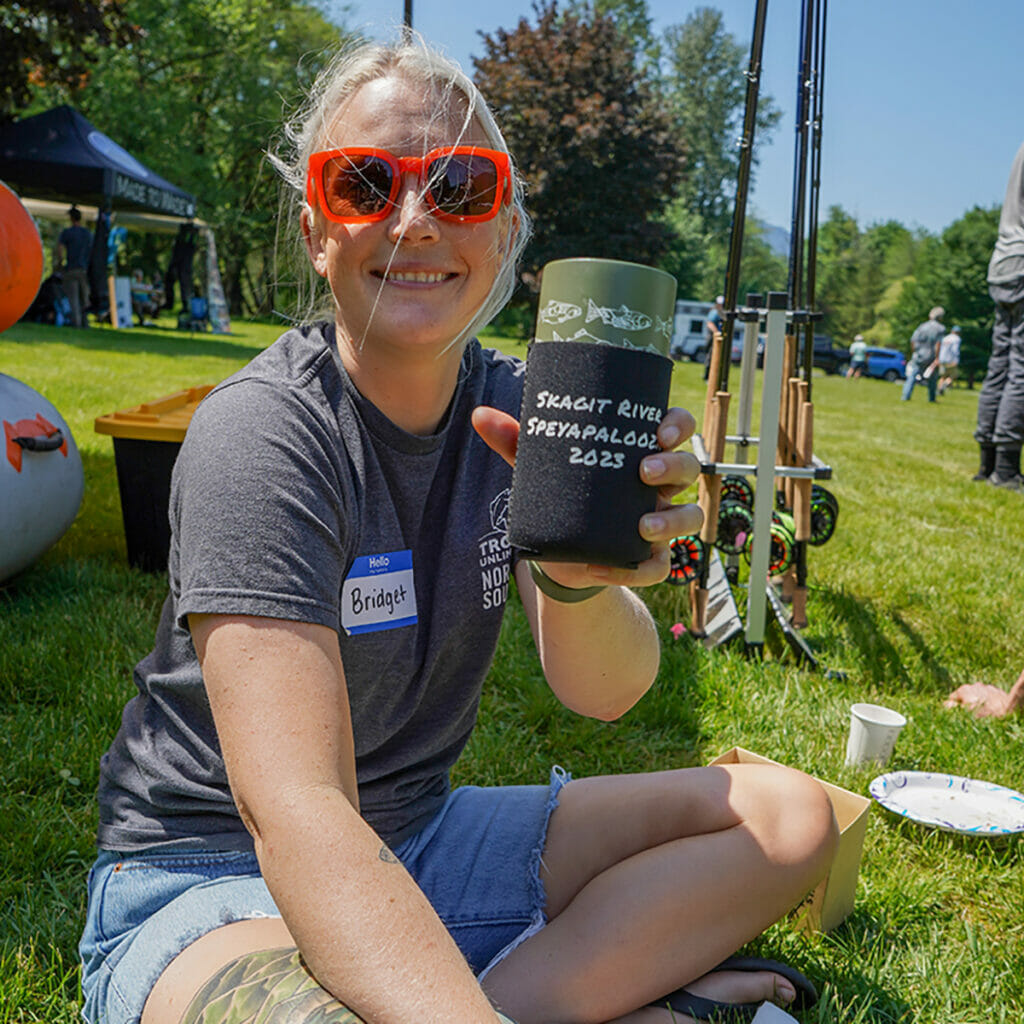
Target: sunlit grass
{"x":919,"y":590}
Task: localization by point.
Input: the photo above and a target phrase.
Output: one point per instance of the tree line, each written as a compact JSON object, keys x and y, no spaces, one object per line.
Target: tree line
{"x":626,"y":140}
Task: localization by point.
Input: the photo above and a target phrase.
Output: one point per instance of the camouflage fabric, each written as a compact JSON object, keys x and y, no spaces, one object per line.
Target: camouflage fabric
{"x":272,"y":986}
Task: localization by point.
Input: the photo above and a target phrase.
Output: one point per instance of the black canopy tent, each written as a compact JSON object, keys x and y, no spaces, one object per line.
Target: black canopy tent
{"x":60,"y":155}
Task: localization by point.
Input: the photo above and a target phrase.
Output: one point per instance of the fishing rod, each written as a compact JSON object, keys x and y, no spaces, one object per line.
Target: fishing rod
{"x":802,"y":489}
{"x":817,"y":109}
{"x":788,"y":411}
{"x":716,"y":406}
{"x":739,"y":217}
{"x":803,"y":97}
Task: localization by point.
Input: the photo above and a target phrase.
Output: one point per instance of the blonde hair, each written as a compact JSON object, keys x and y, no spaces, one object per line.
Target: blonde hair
{"x":349,"y":70}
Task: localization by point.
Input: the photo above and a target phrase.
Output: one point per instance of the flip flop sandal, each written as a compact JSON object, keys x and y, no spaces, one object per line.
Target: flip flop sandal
{"x":715,"y":1012}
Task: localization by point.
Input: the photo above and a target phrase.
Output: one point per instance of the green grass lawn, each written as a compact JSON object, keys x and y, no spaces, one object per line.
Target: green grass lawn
{"x":919,"y":590}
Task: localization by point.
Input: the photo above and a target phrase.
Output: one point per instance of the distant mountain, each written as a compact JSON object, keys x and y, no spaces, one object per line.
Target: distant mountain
{"x":776,"y":238}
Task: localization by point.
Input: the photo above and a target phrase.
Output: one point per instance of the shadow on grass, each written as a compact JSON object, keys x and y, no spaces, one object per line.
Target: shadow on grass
{"x":861,"y":623}
{"x":856,"y":995}
{"x":986,"y":852}
{"x":154,"y":340}
{"x":928,"y":660}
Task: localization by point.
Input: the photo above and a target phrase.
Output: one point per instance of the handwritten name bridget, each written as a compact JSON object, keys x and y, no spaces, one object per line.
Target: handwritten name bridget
{"x":381,"y":599}
{"x":583,"y":403}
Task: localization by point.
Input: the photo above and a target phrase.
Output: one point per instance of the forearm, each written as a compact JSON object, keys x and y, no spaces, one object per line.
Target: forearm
{"x":599,"y":656}
{"x":366,"y":931}
{"x":1016,"y":695}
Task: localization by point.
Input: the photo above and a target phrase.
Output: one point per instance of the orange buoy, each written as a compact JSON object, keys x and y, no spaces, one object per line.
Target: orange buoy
{"x":21,"y":258}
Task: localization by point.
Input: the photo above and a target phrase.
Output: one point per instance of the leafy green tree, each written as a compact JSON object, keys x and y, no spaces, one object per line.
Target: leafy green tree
{"x":951,"y":272}
{"x":598,"y":150}
{"x":762,"y":270}
{"x":689,"y":254}
{"x":633,"y":18}
{"x":855,"y":272}
{"x":198,"y":96}
{"x":53,"y":43}
{"x":704,"y":83}
{"x":848,"y":275}
{"x":900,"y":246}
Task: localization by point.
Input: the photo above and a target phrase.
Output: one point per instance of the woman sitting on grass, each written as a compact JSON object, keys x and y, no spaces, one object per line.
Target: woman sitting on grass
{"x":276,"y":826}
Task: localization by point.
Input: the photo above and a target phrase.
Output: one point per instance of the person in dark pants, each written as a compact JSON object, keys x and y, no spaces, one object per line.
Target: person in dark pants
{"x":1000,"y":429}
{"x":180,"y":267}
{"x":74,"y":245}
{"x":924,"y":360}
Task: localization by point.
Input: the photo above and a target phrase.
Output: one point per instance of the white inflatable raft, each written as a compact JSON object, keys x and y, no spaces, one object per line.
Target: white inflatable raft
{"x":41,"y":479}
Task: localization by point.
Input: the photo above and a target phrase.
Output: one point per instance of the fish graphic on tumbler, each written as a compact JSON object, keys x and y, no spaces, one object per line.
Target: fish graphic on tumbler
{"x":555,"y":312}
{"x":624,"y":318}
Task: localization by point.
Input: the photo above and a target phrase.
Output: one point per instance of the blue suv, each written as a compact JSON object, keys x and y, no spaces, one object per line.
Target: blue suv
{"x":887,"y":363}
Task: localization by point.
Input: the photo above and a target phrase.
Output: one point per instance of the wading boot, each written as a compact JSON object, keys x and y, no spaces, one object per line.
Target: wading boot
{"x":1007,"y":469}
{"x":988,"y":462}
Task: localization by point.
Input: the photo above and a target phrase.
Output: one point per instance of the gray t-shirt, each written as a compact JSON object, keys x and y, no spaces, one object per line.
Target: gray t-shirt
{"x":925,"y":342}
{"x":1007,"y":263}
{"x":294,"y":497}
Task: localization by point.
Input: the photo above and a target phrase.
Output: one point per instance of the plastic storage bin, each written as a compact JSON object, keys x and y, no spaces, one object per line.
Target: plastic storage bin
{"x":147,"y":439}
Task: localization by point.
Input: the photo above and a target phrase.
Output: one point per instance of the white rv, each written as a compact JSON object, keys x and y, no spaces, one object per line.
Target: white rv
{"x":688,"y":339}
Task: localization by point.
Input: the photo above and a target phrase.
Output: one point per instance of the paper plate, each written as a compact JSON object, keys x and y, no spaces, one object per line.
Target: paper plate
{"x":951,"y":802}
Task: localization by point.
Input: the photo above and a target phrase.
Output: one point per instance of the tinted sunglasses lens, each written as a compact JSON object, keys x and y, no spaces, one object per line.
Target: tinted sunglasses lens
{"x":463,"y":185}
{"x":358,"y":186}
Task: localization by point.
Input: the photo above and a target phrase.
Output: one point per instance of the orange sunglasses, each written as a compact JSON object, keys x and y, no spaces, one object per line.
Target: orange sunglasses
{"x":358,"y":184}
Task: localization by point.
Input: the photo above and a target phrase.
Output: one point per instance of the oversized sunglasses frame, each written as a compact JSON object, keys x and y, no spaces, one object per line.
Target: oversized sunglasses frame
{"x":401,"y":166}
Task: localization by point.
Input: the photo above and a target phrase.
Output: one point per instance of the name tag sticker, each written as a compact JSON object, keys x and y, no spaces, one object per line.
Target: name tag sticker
{"x":378,"y":593}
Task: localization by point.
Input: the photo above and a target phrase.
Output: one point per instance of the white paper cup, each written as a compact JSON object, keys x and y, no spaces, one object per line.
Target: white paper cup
{"x":873,"y":732}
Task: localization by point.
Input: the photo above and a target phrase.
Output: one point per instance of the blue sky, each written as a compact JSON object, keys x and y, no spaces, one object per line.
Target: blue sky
{"x":923,"y":98}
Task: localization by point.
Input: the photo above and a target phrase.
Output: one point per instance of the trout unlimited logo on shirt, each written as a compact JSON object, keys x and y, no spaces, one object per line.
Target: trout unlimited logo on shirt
{"x":494,"y":553}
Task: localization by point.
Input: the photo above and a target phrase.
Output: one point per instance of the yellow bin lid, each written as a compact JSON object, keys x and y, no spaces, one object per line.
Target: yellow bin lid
{"x":163,"y":419}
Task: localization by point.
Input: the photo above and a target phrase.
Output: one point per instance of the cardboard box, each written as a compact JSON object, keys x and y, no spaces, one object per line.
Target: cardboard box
{"x":147,"y":439}
{"x":832,"y":900}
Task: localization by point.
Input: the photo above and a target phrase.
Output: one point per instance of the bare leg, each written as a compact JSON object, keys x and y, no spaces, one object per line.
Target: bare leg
{"x":654,"y":879}
{"x":241,"y":964}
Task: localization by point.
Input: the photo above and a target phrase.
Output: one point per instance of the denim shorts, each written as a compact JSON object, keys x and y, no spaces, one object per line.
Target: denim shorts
{"x":477,"y":861}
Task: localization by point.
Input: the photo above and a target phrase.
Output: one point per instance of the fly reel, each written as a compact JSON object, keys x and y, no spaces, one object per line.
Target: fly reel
{"x":783,"y":544}
{"x":688,"y":554}
{"x":824,"y":514}
{"x":735,"y":525}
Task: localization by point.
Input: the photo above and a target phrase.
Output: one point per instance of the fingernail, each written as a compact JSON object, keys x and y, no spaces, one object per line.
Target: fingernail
{"x":669,"y":435}
{"x":653,"y":468}
{"x":653,"y":524}
{"x":599,"y":570}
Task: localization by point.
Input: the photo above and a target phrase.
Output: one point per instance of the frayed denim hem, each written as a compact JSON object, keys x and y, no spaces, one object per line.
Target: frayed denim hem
{"x":559,"y":778}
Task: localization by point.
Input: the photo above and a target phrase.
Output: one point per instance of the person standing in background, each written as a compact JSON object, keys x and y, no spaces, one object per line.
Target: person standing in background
{"x":858,"y":357}
{"x":924,"y":358}
{"x":74,"y":246}
{"x":1000,"y":428}
{"x":949,"y":359}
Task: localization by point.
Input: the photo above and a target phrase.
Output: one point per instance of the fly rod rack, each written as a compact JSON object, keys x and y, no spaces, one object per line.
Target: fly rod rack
{"x":785,"y":430}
